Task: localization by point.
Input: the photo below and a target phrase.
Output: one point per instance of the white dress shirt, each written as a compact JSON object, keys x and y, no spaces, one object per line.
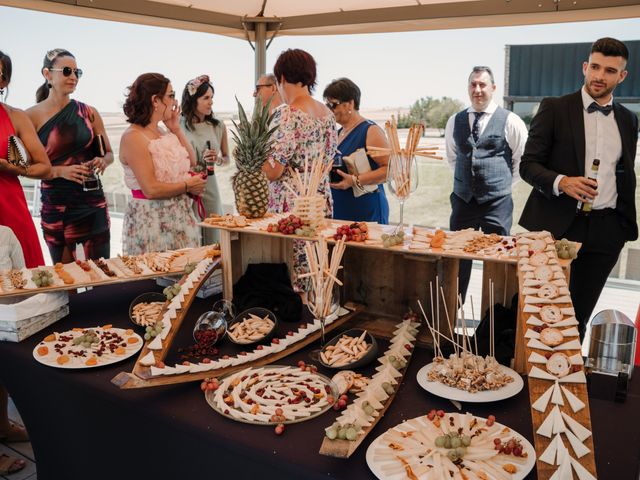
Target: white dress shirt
{"x":602,"y":141}
{"x":515,"y":132}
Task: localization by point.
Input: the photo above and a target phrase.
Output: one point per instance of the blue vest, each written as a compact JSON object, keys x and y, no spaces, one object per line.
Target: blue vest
{"x":483,"y":169}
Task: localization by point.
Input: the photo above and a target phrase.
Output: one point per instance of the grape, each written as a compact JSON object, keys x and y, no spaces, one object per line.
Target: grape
{"x":342,"y":433}
{"x":147,"y":336}
{"x":460,"y":451}
{"x":332,"y":433}
{"x":466,"y":440}
{"x":455,"y":442}
{"x":386,"y":243}
{"x":440,"y":441}
{"x":453,"y":456}
{"x":384,"y":237}
{"x":368,"y":410}
{"x":351,"y":434}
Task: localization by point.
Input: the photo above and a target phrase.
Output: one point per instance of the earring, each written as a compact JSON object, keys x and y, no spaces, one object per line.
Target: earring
{"x":48,"y":85}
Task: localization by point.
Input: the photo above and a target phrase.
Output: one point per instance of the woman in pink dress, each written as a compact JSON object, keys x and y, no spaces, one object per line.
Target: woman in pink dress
{"x":157,"y":168}
{"x":14,"y":212}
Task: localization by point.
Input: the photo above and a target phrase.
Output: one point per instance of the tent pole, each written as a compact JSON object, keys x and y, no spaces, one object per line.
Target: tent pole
{"x":260,"y":49}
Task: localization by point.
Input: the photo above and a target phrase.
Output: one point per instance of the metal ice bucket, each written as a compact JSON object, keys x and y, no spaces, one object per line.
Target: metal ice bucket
{"x":613,"y":343}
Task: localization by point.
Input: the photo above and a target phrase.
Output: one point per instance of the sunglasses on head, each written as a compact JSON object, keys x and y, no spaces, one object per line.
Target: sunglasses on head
{"x":67,"y":71}
{"x":333,"y":105}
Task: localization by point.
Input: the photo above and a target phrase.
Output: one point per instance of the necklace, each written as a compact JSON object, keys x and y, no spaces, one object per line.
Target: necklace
{"x":347,"y":131}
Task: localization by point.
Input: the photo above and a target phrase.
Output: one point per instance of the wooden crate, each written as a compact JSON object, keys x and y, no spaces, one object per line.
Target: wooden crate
{"x":18,"y":330}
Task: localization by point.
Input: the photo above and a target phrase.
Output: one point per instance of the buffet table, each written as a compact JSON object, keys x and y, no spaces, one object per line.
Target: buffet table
{"x":83,"y":427}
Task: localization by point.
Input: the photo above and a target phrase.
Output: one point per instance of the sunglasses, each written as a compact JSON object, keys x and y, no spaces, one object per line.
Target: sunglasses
{"x":332,"y":105}
{"x":67,"y":71}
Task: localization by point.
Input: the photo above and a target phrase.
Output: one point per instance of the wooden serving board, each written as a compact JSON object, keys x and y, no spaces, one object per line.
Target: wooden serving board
{"x":140,"y":377}
{"x":194,"y":254}
{"x":537,"y":387}
{"x":345,"y":448}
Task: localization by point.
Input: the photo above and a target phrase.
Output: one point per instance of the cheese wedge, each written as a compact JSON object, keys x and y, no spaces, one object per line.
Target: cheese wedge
{"x":570,"y":345}
{"x":531,"y":334}
{"x":583,"y":473}
{"x":556,"y":397}
{"x":579,"y":448}
{"x":535,"y":357}
{"x":571,"y":332}
{"x":534,"y":343}
{"x":541,"y":403}
{"x":574,"y":402}
{"x":549,"y":454}
{"x":558,"y":422}
{"x":546,"y":428}
{"x":576,"y":377}
{"x":535,"y":321}
{"x":148,"y":360}
{"x":576,"y":359}
{"x":577,"y":428}
{"x":528,"y":308}
{"x":564,"y":471}
{"x":536,"y":372}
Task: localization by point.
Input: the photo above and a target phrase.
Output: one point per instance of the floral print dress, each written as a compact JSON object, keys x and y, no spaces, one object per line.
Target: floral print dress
{"x":300,"y":137}
{"x":162,"y":224}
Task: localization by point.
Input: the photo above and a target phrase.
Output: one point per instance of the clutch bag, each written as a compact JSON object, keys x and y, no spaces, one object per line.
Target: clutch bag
{"x":17,"y":154}
{"x":357,"y":163}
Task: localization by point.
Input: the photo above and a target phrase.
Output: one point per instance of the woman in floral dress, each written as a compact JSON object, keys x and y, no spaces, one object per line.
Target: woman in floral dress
{"x":306,"y":131}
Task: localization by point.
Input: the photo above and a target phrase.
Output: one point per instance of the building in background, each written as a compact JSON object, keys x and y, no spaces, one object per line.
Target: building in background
{"x":533,"y":72}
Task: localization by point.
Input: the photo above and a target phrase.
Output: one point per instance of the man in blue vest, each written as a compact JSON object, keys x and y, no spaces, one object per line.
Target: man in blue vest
{"x":484,"y":144}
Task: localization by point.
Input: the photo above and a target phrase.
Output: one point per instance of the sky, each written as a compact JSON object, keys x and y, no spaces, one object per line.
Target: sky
{"x":392,"y":69}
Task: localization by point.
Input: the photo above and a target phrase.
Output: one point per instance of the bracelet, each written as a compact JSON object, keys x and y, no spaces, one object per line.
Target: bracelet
{"x":26,"y":170}
{"x":186,"y":188}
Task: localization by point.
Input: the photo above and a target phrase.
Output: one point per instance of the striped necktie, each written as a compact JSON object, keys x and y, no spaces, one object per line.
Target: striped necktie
{"x":475,"y":131}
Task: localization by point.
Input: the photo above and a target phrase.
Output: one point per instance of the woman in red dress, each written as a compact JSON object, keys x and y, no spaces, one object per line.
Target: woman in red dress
{"x":13,"y":205}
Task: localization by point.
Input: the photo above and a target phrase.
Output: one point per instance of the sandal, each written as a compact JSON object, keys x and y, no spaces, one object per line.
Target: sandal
{"x":15,"y":434}
{"x":10,"y":464}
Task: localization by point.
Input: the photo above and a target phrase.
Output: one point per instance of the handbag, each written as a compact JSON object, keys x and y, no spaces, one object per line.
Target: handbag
{"x":98,"y":147}
{"x":357,"y":163}
{"x":17,"y":154}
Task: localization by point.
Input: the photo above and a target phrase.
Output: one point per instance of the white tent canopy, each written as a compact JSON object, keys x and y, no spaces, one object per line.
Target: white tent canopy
{"x":257,"y":20}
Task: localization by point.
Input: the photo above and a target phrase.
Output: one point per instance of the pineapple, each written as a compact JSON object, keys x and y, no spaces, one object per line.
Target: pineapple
{"x":253,"y":144}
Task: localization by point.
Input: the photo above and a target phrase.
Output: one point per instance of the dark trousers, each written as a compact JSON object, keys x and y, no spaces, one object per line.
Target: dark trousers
{"x":494,"y":216}
{"x":602,"y":240}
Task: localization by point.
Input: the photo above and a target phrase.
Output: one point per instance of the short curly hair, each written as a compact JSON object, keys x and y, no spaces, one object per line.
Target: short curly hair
{"x":296,"y":66}
{"x":138,"y":107}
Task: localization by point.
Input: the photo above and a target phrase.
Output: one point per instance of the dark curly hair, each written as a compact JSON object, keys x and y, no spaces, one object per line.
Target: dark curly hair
{"x":343,"y":90}
{"x":610,"y":47}
{"x":48,"y":62}
{"x":137,"y":107}
{"x":296,"y":66}
{"x":190,"y":103}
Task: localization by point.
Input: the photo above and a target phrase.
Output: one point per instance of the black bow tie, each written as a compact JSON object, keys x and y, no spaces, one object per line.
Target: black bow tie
{"x":606,"y":110}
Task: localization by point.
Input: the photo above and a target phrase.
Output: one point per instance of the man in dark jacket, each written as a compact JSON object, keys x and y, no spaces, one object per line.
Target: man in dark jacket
{"x":566,"y":136}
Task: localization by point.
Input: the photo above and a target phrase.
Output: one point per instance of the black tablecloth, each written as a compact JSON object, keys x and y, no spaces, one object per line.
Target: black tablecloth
{"x":83,"y":427}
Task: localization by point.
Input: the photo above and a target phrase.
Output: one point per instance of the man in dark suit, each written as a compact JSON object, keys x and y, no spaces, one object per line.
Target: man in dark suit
{"x":566,"y":135}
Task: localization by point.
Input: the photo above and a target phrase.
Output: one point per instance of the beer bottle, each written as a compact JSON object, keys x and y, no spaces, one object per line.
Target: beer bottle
{"x":584,"y":207}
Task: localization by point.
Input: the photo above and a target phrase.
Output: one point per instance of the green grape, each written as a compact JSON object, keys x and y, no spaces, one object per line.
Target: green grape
{"x":384,"y":236}
{"x":460,"y":451}
{"x":440,"y":441}
{"x":342,"y":433}
{"x":447,"y":441}
{"x":351,"y":434}
{"x":386,"y":243}
{"x":455,"y":442}
{"x":147,"y":336}
{"x":466,"y":440}
{"x":453,"y":456}
{"x":368,"y":410}
{"x":332,"y":433}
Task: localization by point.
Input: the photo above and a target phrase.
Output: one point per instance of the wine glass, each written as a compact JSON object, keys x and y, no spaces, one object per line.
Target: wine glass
{"x":316,"y":307}
{"x":402,"y":180}
{"x":212,"y":325}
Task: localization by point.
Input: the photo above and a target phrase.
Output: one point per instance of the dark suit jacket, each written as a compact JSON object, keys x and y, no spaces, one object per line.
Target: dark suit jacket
{"x":556,"y":145}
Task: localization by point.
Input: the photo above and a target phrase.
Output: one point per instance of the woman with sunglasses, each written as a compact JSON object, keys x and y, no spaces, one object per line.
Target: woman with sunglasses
{"x":69,"y":130}
{"x":208,"y":137}
{"x":14,"y":212}
{"x":157,"y":167}
{"x":342,"y":96}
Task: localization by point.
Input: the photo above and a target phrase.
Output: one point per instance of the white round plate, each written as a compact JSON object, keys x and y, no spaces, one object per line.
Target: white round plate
{"x":450,"y":393}
{"x":376,"y":467}
{"x":50,"y":358}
